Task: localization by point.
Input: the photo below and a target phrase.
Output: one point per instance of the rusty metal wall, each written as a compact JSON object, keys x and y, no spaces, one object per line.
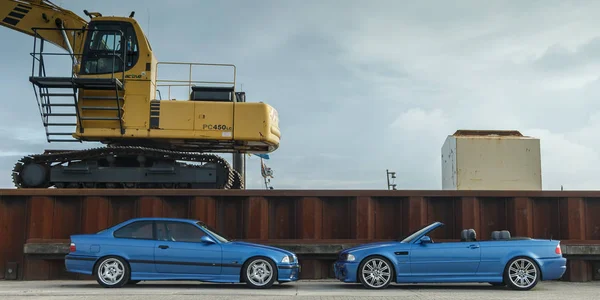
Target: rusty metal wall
{"x":294,"y":218}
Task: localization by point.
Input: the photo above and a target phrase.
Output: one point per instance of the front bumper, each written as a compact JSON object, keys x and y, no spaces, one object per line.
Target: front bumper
{"x":345,"y":271}
{"x":288,"y":272}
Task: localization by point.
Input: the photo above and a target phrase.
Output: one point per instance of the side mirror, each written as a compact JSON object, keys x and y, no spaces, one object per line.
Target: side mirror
{"x":425,"y":240}
{"x":207,"y":240}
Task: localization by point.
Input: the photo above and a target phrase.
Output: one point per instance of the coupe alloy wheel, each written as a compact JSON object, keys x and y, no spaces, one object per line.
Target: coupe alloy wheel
{"x":260,"y":273}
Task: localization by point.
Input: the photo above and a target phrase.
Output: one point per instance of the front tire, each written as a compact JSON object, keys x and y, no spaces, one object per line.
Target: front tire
{"x":522,"y":273}
{"x":112,"y":272}
{"x":259,"y":273}
{"x":375,"y":272}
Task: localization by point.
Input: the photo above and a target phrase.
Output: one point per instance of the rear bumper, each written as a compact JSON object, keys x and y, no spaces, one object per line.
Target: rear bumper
{"x":553,"y":268}
{"x":80,"y":264}
{"x":287,"y":273}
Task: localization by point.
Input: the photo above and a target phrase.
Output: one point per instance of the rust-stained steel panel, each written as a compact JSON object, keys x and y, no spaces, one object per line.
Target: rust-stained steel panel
{"x":282,"y":218}
{"x":231,"y":217}
{"x":121,"y":209}
{"x":389,"y":218}
{"x":493,"y":216}
{"x":312,"y":221}
{"x":546,"y":223}
{"x":592,"y":218}
{"x":95,"y":214}
{"x":13,"y":217}
{"x":443,"y":210}
{"x":336,"y":218}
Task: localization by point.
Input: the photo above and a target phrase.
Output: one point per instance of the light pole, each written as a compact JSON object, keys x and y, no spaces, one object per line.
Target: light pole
{"x":391,"y":175}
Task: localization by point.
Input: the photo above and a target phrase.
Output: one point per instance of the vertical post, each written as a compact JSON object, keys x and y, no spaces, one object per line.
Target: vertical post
{"x":387,"y":175}
{"x":393,"y":175}
{"x":239,"y":159}
{"x":239,"y":164}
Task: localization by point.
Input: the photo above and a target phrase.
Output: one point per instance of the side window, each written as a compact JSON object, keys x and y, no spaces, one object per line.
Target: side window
{"x":178,"y":232}
{"x":136,"y":230}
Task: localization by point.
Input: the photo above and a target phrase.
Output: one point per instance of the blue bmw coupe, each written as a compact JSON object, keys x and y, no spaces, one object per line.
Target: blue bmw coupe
{"x":519,"y":263}
{"x":176,"y":249}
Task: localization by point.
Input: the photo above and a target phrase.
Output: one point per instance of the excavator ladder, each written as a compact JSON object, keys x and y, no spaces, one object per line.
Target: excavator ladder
{"x":57,"y":96}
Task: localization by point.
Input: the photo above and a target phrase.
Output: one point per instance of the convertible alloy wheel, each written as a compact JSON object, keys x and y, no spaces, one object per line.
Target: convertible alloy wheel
{"x":112,"y":272}
{"x":260,"y":273}
{"x":375,"y":273}
{"x":521,"y":274}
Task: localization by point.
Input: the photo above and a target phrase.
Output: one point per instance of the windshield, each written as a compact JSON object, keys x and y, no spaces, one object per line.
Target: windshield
{"x":213,"y":232}
{"x":409,"y":238}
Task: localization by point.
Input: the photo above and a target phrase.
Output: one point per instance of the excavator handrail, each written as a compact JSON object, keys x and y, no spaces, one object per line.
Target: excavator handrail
{"x":189,"y":81}
{"x":35,"y":54}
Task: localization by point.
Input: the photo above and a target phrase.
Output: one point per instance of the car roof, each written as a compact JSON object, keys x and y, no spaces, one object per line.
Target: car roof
{"x":162,"y":219}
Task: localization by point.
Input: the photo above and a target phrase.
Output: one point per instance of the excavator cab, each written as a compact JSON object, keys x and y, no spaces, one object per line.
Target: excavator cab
{"x":110,"y":47}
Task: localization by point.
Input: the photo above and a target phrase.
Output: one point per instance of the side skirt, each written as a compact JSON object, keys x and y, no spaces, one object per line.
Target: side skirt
{"x":173,"y":276}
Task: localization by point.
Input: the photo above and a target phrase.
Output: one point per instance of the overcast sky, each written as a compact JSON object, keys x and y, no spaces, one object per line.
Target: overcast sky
{"x":362,"y":86}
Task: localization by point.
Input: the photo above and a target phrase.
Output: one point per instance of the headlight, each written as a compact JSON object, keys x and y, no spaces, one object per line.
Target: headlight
{"x":286,"y":259}
{"x":350,"y":257}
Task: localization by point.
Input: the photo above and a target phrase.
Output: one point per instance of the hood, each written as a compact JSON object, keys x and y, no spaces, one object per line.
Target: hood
{"x":371,"y":245}
{"x":246,"y":244}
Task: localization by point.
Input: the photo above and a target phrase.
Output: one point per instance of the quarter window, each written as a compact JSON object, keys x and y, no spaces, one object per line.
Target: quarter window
{"x":136,"y":230}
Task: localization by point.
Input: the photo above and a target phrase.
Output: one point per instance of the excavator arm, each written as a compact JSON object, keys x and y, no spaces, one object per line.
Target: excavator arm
{"x":24,"y":16}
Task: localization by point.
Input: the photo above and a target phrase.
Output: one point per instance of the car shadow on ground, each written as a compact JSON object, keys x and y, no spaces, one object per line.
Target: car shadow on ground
{"x":186,"y":285}
{"x":420,"y":286}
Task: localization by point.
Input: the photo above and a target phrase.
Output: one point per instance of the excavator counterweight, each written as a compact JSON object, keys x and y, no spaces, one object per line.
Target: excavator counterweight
{"x":110,"y":97}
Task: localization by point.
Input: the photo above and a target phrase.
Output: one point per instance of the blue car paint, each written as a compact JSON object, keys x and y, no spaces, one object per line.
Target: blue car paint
{"x":452,"y":262}
{"x":211,"y":262}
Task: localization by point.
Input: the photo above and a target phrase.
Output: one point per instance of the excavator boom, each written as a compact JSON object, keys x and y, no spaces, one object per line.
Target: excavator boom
{"x":26,"y":16}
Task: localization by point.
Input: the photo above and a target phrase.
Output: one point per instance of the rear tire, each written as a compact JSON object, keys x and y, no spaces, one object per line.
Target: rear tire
{"x":375,"y":272}
{"x":112,"y":272}
{"x":521,"y":273}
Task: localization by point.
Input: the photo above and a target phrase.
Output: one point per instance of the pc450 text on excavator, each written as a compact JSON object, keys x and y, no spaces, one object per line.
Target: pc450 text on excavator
{"x":111,"y":94}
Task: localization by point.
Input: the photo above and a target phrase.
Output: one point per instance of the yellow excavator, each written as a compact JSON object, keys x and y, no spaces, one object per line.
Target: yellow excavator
{"x":111,"y":97}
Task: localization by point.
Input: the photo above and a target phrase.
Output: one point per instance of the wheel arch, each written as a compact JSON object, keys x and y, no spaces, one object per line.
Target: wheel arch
{"x":112,"y":255}
{"x":253,"y":256}
{"x":380,"y":255}
{"x":522,"y":255}
{"x":533,"y":259}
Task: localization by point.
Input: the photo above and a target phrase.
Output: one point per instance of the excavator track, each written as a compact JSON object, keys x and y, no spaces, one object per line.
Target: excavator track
{"x":90,"y":169}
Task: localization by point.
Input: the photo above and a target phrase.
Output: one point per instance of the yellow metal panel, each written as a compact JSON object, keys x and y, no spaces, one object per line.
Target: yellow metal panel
{"x":177,"y":115}
{"x":136,"y":111}
{"x":256,"y":122}
{"x":214,"y":119}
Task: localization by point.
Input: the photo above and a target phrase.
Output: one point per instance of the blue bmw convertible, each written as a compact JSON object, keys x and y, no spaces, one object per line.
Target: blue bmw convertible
{"x":519,"y":263}
{"x":176,"y":249}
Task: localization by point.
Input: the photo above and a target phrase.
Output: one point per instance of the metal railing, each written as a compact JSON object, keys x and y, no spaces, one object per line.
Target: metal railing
{"x":38,"y":55}
{"x":43,"y":94}
{"x":169,"y":83}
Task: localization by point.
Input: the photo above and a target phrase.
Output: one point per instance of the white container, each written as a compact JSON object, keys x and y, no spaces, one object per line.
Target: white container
{"x":491,"y":160}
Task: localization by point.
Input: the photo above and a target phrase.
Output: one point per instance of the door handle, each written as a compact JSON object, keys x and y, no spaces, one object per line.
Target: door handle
{"x":473,"y":246}
{"x":163,"y":246}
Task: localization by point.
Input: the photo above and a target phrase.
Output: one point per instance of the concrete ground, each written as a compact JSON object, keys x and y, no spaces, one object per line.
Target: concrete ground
{"x":305,"y":289}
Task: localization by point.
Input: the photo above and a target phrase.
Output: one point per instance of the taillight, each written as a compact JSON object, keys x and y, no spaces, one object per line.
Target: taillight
{"x":557,"y":250}
{"x":72,"y":247}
